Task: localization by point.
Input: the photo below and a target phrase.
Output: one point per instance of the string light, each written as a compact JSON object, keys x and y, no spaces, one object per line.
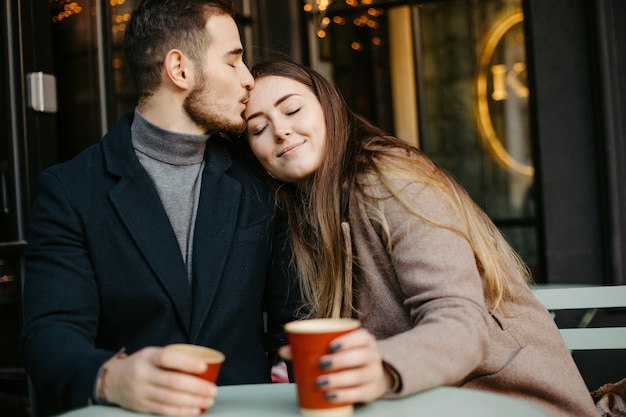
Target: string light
{"x":368,"y":19}
{"x":62,"y":9}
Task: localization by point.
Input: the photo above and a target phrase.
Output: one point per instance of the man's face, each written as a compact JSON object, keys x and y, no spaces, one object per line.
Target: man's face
{"x":222,"y":83}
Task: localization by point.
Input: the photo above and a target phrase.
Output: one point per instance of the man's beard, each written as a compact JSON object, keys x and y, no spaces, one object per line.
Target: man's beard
{"x":203,"y":113}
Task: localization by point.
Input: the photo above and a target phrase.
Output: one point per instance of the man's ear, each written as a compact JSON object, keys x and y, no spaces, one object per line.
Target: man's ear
{"x":178,"y":69}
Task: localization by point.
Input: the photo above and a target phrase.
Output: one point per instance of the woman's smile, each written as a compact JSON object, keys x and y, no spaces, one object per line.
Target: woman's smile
{"x":288,"y":149}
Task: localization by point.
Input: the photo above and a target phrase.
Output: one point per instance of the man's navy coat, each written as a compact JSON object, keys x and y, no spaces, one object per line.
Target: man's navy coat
{"x":104,"y":270}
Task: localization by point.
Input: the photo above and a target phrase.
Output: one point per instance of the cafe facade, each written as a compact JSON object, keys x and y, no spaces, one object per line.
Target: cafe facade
{"x":522,"y":101}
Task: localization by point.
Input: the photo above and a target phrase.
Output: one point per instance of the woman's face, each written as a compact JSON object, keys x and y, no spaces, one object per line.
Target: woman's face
{"x":286,"y":127}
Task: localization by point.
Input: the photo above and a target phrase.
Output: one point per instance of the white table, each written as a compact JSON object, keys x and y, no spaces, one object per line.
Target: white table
{"x":279,"y":400}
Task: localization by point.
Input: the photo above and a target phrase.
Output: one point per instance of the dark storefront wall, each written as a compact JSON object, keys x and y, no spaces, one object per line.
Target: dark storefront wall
{"x":26,"y":147}
{"x":579,"y":122}
{"x":579,"y":110}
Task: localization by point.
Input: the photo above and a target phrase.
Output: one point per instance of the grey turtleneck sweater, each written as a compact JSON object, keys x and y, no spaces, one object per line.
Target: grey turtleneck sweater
{"x":175,"y":162}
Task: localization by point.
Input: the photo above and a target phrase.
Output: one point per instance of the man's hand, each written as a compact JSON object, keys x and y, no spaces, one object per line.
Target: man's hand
{"x":157,"y":381}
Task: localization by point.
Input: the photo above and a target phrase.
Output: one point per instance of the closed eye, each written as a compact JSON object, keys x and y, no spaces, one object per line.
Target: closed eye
{"x":259,"y":130}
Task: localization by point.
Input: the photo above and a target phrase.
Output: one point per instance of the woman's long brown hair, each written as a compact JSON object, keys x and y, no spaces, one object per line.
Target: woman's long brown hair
{"x":357,"y":149}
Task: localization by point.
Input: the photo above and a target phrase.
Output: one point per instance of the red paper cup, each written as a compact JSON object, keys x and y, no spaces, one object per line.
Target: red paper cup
{"x":212,"y":357}
{"x":310,"y":340}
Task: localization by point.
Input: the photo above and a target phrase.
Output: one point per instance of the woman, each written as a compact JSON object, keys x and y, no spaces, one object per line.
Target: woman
{"x":379,"y":232}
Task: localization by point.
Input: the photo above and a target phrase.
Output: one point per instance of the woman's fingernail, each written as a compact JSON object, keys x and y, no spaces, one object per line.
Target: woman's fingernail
{"x":330,"y":396}
{"x":325,"y":364}
{"x":321,"y":382}
{"x":334,"y":347}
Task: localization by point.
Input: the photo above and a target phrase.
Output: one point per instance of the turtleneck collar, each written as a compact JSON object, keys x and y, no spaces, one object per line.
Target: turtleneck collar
{"x":172,"y":148}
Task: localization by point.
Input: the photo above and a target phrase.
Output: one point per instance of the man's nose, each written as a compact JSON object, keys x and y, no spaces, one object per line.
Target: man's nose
{"x":247,"y":80}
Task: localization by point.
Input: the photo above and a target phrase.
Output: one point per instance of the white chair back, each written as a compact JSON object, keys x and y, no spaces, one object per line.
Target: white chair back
{"x":590,"y":299}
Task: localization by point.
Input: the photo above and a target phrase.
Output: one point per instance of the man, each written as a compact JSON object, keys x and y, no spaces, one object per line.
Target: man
{"x":159,"y":234}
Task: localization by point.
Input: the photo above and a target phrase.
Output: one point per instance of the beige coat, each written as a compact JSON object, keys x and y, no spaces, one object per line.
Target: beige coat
{"x":423,"y":300}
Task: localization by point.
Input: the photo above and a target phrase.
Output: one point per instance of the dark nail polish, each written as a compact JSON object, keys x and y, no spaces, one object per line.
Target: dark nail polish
{"x":330,"y":396}
{"x":325,"y":364}
{"x":321,"y":382}
{"x":334,"y":347}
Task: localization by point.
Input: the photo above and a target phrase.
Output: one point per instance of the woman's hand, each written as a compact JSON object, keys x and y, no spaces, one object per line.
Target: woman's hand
{"x":356,"y":371}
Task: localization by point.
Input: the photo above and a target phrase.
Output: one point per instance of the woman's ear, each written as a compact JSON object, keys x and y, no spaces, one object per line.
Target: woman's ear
{"x":178,"y":69}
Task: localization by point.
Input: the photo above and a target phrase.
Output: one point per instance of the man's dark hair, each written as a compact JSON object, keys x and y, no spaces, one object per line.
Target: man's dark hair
{"x":158,"y":26}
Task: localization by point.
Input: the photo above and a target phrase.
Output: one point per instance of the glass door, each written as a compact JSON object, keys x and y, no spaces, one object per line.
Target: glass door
{"x":474,"y":116}
{"x":79,"y":49}
{"x":448,"y":76}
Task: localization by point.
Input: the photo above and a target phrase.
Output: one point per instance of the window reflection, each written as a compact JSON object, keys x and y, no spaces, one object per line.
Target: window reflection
{"x":475,"y":117}
{"x":467,"y":67}
{"x":125,"y":97}
{"x":75,"y":57}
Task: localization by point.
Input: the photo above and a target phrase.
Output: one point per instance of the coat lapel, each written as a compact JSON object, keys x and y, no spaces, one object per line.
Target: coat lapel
{"x":215,"y":225}
{"x":140,"y":209}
